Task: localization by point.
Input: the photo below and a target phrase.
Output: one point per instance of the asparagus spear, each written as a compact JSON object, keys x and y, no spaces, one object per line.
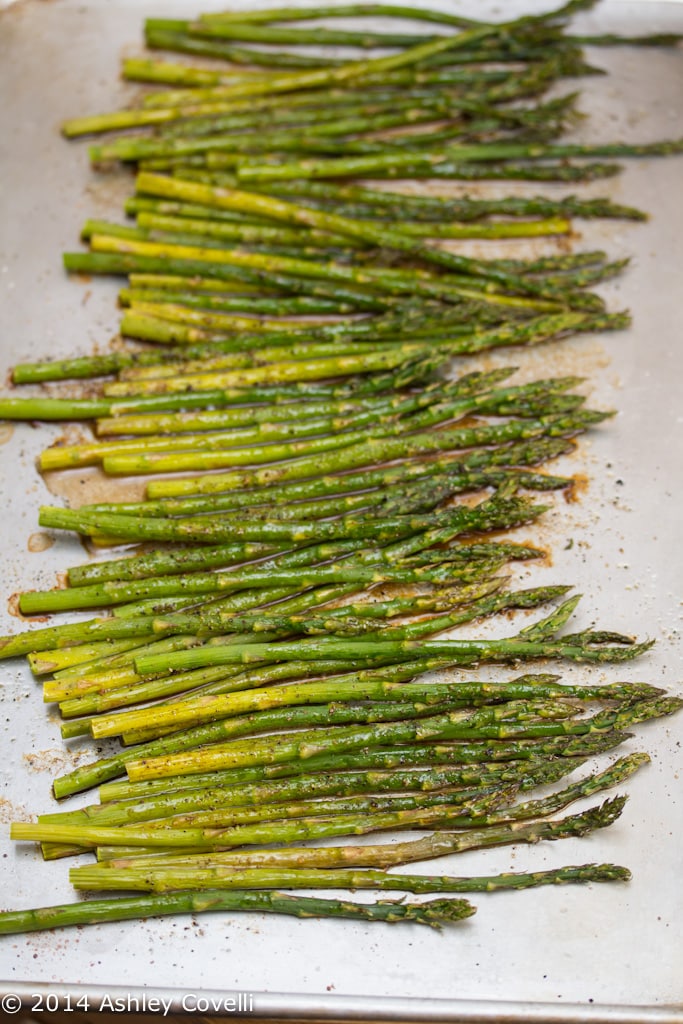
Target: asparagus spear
{"x":341,"y":11}
{"x":469,"y":759}
{"x":494,"y":513}
{"x":392,"y":417}
{"x":207,"y":229}
{"x":453,"y":466}
{"x":309,"y":79}
{"x":85,"y":777}
{"x":225,"y":878}
{"x":213,"y":793}
{"x":289,"y":213}
{"x":434,"y":913}
{"x":341,"y":783}
{"x":414,"y":164}
{"x":390,"y":854}
{"x":250,"y":32}
{"x":464,"y":652}
{"x":189,"y":712}
{"x":387,"y":202}
{"x":193,"y":838}
{"x":103,"y":675}
{"x":353,"y":738}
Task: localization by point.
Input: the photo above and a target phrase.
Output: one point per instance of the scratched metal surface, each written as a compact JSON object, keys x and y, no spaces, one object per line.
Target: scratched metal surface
{"x":566,"y":953}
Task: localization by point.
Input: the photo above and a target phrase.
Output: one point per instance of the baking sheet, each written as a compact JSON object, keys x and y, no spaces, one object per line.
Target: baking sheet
{"x":560,"y":954}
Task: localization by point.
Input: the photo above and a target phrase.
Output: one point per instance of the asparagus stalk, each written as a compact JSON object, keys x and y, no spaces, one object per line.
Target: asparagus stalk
{"x":193,"y":838}
{"x":434,"y":913}
{"x":406,"y":414}
{"x":226,"y":878}
{"x":43,"y":408}
{"x":383,"y":167}
{"x":334,"y":11}
{"x":237,"y":835}
{"x":359,"y":166}
{"x":452,"y":466}
{"x":389,"y":203}
{"x":371,"y":452}
{"x":289,"y":213}
{"x":306,"y":786}
{"x":134,"y":298}
{"x":180,"y":799}
{"x":388,"y":855}
{"x":352,"y":738}
{"x":310,"y":79}
{"x":251,"y":32}
{"x":101,"y":771}
{"x":494,"y":513}
{"x":463,"y":652}
{"x":208,"y":229}
{"x":470,"y":759}
{"x":191,"y":712}
{"x":346,"y":620}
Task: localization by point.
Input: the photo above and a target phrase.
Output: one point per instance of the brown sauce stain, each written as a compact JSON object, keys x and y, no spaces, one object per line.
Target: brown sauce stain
{"x":13,"y":610}
{"x":573,"y":356}
{"x":91,"y":486}
{"x":10,"y":812}
{"x":546,"y":558}
{"x":6,"y":432}
{"x":40,"y":541}
{"x":72,"y":434}
{"x":110,"y":190}
{"x":578,"y":487}
{"x":54,"y":760}
{"x":75,"y":388}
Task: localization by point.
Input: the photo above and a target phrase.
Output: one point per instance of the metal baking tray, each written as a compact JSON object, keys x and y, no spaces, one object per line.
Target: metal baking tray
{"x":609,"y":953}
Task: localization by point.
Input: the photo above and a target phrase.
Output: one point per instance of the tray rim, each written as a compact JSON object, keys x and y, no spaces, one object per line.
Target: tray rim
{"x":280,"y":1006}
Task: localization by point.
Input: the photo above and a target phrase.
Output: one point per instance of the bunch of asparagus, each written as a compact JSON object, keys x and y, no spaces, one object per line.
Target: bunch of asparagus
{"x":465,"y":104}
{"x":266,"y":654}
